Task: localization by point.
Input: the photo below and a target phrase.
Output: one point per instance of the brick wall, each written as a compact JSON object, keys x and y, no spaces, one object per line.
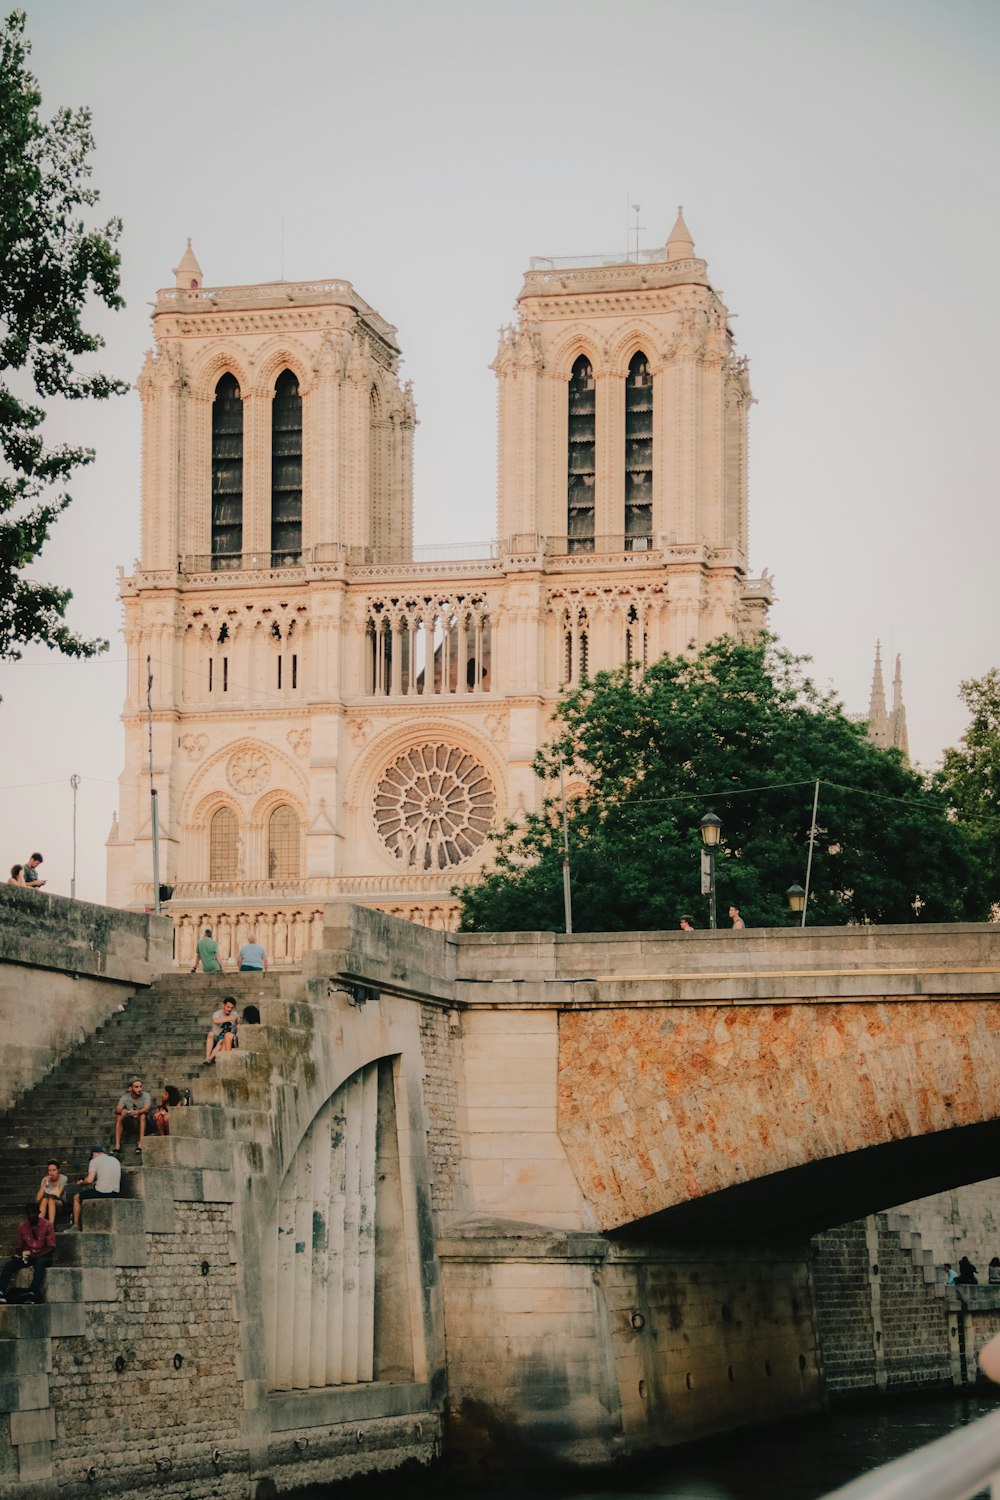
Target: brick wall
{"x":441,"y":1101}
{"x":882,"y":1322}
{"x":153,"y":1409}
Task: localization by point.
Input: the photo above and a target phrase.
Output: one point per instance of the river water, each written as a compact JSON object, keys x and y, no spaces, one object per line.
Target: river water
{"x":802,"y":1460}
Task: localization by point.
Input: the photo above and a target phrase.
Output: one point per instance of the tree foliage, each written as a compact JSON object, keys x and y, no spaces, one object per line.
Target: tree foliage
{"x":738,"y":730}
{"x":51,"y":265}
{"x":970,"y":776}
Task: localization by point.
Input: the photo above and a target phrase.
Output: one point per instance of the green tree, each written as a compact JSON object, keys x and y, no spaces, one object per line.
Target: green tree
{"x":740,"y":731}
{"x":970,"y":776}
{"x":51,"y":264}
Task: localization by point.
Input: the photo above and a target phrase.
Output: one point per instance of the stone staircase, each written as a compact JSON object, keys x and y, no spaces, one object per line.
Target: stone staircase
{"x":158,"y":1035}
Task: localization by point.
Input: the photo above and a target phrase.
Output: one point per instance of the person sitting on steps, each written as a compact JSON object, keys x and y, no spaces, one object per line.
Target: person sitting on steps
{"x":169,"y":1099}
{"x":104,"y":1180}
{"x":222,"y":1032}
{"x":34,"y":1247}
{"x":51,"y":1196}
{"x":132,"y":1108}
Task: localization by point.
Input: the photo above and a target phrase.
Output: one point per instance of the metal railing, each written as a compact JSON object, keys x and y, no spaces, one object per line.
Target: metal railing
{"x":960,"y":1466}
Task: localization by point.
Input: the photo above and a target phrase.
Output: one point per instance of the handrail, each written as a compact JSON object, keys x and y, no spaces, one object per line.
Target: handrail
{"x":956,"y":1467}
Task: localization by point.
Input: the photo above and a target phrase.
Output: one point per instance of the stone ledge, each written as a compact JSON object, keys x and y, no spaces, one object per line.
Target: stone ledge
{"x":292,"y":1410}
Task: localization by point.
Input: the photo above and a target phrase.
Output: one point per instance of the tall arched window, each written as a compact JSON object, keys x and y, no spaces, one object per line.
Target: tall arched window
{"x":283,"y":844}
{"x":638,"y":455}
{"x":286,"y":473}
{"x":227,"y":475}
{"x":580,"y":458}
{"x":223,"y":845}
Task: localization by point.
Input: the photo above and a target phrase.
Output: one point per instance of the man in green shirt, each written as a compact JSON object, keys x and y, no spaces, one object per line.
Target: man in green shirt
{"x":207,"y":954}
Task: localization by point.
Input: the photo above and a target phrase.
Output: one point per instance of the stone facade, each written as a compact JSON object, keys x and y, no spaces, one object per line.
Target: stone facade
{"x":332,"y":718}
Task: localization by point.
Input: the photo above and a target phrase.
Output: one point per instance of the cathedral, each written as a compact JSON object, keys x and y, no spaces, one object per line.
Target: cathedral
{"x":321,"y":715}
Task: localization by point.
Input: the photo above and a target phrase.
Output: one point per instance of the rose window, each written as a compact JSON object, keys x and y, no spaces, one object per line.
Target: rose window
{"x":434,"y":807}
{"x":248,"y":771}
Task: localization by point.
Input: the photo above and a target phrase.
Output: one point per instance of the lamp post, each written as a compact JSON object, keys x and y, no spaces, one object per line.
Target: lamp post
{"x":711,"y":833}
{"x":796,"y":899}
{"x":74,"y":782}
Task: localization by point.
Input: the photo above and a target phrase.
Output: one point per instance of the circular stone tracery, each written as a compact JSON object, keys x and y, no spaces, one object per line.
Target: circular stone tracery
{"x":434,"y":807}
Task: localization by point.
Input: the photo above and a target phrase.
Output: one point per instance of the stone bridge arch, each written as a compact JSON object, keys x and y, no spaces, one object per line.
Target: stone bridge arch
{"x":757,"y":1120}
{"x":332,"y":1212}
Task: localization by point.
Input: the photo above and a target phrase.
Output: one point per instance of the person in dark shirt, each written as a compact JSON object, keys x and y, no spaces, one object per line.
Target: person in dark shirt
{"x":966,"y":1273}
{"x":34,"y":1247}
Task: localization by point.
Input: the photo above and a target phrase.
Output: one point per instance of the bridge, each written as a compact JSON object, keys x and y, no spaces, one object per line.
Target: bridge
{"x":544,"y":1194}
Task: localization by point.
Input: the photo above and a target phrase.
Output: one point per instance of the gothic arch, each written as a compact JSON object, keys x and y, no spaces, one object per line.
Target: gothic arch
{"x":207,"y":371}
{"x":640,"y":337}
{"x":210,"y":780}
{"x":394,"y":742}
{"x":273,"y":358}
{"x":567,"y":351}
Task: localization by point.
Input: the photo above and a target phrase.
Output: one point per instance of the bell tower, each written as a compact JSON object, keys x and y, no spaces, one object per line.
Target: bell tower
{"x":623,"y":406}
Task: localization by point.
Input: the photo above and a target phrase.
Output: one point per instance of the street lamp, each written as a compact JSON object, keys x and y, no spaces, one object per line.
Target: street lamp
{"x":796,"y":898}
{"x":711,"y":833}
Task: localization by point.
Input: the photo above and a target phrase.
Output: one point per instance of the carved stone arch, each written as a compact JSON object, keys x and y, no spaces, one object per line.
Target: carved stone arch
{"x":567,"y":351}
{"x":204,"y":811}
{"x":273,"y":358}
{"x":277,"y":797}
{"x":208,"y":370}
{"x":639,"y":337}
{"x":212,"y":777}
{"x":391,"y":742}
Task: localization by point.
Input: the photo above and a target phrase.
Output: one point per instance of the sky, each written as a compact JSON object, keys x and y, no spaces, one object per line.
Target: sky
{"x":837,"y":163}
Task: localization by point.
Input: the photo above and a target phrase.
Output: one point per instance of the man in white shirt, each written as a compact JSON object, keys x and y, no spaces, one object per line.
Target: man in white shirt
{"x":104,"y":1180}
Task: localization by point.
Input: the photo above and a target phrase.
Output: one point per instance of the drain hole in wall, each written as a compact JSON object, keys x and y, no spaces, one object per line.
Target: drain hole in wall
{"x":802,"y":1363}
{"x":642,"y":1390}
{"x":688,"y":1381}
{"x":767,"y":1367}
{"x":732,"y":1377}
{"x":727,"y":1313}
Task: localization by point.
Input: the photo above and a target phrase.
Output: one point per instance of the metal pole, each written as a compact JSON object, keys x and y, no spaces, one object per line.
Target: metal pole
{"x":567,"y":895}
{"x":809,"y":861}
{"x":152,"y":789}
{"x":74,"y":782}
{"x":711,"y":887}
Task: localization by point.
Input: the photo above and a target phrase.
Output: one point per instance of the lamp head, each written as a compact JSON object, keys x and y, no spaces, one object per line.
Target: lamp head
{"x":711,"y":830}
{"x":796,"y":898}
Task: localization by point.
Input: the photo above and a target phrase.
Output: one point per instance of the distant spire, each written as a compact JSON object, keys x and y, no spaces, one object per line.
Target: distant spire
{"x":188,"y":274}
{"x":900,"y":738}
{"x":680,"y":245}
{"x":887,"y":728}
{"x":878,"y":718}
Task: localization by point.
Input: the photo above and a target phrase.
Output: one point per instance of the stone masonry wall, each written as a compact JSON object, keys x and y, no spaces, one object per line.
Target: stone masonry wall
{"x":882,"y":1322}
{"x":569,"y":1345}
{"x":964,"y":1221}
{"x":157,"y":1417}
{"x":444,"y":1143}
{"x":64,"y":967}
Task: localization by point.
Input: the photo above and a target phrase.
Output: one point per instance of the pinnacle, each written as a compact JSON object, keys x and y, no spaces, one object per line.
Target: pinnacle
{"x":680,"y":245}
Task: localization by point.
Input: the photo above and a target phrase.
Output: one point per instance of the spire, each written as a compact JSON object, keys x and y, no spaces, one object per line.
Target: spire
{"x":680,"y":245}
{"x":188,"y":274}
{"x":900,"y":738}
{"x":878,"y":718}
